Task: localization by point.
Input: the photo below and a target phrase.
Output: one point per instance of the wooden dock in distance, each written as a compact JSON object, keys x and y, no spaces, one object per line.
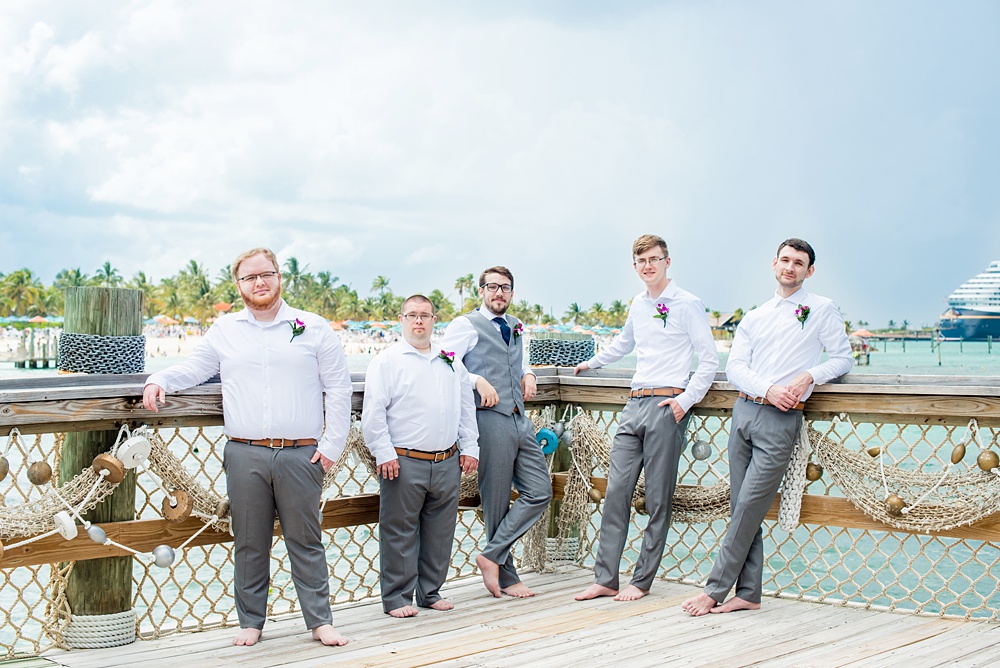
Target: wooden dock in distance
{"x":554,"y":630}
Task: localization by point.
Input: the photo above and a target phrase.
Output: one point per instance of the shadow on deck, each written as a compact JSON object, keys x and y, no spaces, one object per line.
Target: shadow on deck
{"x":554,"y":630}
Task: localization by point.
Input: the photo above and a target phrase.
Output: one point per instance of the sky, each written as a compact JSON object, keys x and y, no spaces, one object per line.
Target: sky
{"x":428,"y":140}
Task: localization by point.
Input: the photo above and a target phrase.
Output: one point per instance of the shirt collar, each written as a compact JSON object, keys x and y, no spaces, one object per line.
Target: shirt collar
{"x":797,"y":297}
{"x":669,"y":292}
{"x":407,"y":349}
{"x":285,"y":314}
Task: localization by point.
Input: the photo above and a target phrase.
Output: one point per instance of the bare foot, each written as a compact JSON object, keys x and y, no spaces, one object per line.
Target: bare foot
{"x":699,"y":605}
{"x":328,"y":635}
{"x":247,"y":637}
{"x":736,"y":603}
{"x":405,"y":611}
{"x":442,"y":604}
{"x":594,"y":591}
{"x":630,"y":593}
{"x":491,"y":574}
{"x":519,"y":590}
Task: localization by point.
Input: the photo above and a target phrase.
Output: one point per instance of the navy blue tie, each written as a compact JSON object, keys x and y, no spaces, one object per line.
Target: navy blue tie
{"x":504,"y":328}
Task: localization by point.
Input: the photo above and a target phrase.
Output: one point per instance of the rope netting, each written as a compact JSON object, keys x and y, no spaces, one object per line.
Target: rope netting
{"x":935,"y":575}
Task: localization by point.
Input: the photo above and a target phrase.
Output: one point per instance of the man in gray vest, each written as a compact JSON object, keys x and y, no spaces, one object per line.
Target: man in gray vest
{"x":488,"y":343}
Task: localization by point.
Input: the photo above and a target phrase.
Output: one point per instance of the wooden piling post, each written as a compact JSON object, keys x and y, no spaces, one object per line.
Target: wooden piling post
{"x":101,"y":586}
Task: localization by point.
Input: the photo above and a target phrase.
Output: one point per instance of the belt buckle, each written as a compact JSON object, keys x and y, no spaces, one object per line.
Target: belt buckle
{"x":271,"y":442}
{"x":760,"y":401}
{"x":444,"y":455}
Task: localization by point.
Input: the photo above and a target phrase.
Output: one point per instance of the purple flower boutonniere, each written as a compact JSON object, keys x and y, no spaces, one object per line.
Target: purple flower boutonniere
{"x":298,"y":327}
{"x":448,"y":357}
{"x":802,"y":314}
{"x":662,"y":311}
{"x":518,"y":331}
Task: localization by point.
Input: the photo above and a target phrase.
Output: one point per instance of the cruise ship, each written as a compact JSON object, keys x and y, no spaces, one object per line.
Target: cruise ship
{"x":974,"y":309}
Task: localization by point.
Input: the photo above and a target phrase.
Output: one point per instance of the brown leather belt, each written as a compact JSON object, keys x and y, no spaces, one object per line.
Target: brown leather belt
{"x":517,"y":411}
{"x":438,"y":456}
{"x":655,"y":392}
{"x":762,"y":401}
{"x":277,"y":442}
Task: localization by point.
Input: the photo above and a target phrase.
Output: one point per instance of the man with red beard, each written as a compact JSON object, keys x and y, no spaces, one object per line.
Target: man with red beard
{"x":276,"y":365}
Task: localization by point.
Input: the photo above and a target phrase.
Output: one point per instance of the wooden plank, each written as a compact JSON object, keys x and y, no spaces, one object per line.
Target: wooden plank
{"x":819,"y":509}
{"x":144,"y":535}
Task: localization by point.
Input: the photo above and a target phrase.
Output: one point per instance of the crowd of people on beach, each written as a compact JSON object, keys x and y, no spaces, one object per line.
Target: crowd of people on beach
{"x":434,"y":409}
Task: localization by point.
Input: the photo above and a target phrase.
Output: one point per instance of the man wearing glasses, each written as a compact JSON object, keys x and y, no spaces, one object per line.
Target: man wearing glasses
{"x":283,"y":370}
{"x":419,"y":422}
{"x":666,"y":326}
{"x":488,"y":341}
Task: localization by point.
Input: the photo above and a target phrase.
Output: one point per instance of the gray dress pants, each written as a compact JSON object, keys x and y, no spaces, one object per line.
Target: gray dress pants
{"x":761,"y":441}
{"x":509,"y":453}
{"x":261,"y":480}
{"x":418,"y":510}
{"x":648,"y":439}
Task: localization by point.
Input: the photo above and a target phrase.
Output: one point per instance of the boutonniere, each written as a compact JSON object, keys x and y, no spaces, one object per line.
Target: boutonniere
{"x":449,"y":358}
{"x":518,"y":330}
{"x":802,"y":314}
{"x":662,"y":311}
{"x":297,"y":328}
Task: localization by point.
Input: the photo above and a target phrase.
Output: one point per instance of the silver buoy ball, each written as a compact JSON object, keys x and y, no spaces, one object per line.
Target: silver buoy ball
{"x":566,"y":438}
{"x":701,"y":450}
{"x":97,"y":534}
{"x":558,"y":428}
{"x":163,"y":556}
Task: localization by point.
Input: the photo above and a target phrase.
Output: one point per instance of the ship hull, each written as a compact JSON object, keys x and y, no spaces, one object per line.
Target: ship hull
{"x":970,"y":325}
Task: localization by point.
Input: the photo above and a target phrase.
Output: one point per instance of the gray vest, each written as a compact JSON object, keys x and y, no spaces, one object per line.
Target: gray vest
{"x":497,"y":362}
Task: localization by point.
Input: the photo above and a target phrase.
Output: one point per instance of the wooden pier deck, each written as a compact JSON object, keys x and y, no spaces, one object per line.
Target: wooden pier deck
{"x":554,"y":630}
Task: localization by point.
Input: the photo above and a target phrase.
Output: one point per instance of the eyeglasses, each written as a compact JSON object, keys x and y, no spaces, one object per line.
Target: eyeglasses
{"x":506,"y":288}
{"x":252,"y":278}
{"x":413,"y":317}
{"x":642,"y":262}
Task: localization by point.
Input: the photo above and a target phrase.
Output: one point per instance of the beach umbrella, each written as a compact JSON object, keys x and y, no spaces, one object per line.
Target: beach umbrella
{"x":336,"y":326}
{"x":377,"y":324}
{"x":38,"y":318}
{"x":223,"y":307}
{"x":864,"y":333}
{"x":190,"y":321}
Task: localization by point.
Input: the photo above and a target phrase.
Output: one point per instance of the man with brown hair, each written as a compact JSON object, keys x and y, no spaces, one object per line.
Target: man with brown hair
{"x":774,"y":363}
{"x":666,"y":327}
{"x":420,"y":424}
{"x":488,"y":341}
{"x":283,"y":371}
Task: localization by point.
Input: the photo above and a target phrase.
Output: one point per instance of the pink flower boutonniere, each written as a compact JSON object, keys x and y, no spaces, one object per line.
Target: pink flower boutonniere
{"x":448,"y":357}
{"x":298,"y":327}
{"x":518,"y":331}
{"x":662,"y":311}
{"x":802,"y":314}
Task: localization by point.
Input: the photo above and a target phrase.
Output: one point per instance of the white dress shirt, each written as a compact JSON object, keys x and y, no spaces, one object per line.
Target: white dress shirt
{"x":664,"y":350}
{"x":417,"y":401}
{"x":461,"y":336}
{"x":273,"y":384}
{"x":771,"y":347}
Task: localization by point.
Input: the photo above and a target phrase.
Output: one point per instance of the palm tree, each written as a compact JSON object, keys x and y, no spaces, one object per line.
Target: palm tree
{"x":152,"y":303}
{"x":537,"y":311}
{"x":71,"y":278}
{"x":574,"y":313}
{"x":380,"y":285}
{"x":617,"y":313}
{"x":225,"y":287}
{"x":443,"y":307}
{"x":294,"y":277}
{"x":107,"y":276}
{"x":598,"y":313}
{"x":21,"y":291}
{"x":464,"y":284}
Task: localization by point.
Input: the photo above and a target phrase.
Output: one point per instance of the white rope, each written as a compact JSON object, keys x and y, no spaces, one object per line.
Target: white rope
{"x":96,"y":631}
{"x":794,"y":485}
